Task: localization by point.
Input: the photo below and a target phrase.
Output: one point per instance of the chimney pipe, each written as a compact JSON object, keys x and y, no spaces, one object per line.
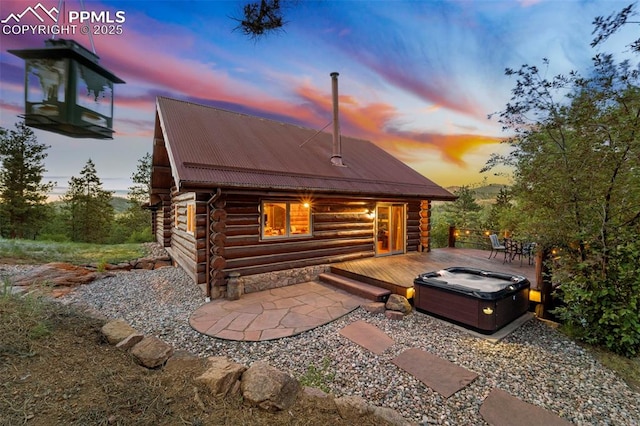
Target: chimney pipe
{"x":336,"y":156}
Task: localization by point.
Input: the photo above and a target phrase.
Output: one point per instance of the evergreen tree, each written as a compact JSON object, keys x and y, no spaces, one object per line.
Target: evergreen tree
{"x":576,"y":157}
{"x":23,"y":196}
{"x":261,"y":17}
{"x":139,"y":192}
{"x":134,"y":225}
{"x":88,"y":207}
{"x":502,"y":215}
{"x":465,"y":211}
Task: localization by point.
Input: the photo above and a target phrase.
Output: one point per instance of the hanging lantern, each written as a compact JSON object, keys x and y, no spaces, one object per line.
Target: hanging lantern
{"x":67,"y":91}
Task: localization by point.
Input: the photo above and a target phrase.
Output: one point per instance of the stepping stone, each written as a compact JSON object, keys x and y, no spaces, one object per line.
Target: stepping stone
{"x":368,"y":336}
{"x":441,"y":375}
{"x":503,"y":409}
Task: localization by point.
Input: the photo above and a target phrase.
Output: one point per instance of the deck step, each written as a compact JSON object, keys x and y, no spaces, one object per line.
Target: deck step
{"x":358,"y":288}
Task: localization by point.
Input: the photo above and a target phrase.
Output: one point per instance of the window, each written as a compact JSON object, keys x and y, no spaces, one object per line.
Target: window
{"x":191,"y":218}
{"x":283,"y":219}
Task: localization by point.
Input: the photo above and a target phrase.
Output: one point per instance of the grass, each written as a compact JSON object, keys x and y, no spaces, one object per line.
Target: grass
{"x":55,"y":369}
{"x":318,"y":377}
{"x":35,"y":252}
{"x":627,"y":368}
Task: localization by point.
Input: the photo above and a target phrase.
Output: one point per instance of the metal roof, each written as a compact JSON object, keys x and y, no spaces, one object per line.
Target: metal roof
{"x":209,"y":147}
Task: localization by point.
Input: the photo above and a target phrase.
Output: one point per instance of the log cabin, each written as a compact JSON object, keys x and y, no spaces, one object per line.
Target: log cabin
{"x":234,"y":194}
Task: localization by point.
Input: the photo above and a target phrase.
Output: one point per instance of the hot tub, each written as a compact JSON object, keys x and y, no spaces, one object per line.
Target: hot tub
{"x":483,"y":300}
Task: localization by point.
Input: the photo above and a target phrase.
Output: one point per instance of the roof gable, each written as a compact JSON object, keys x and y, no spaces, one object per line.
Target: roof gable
{"x":212,"y":147}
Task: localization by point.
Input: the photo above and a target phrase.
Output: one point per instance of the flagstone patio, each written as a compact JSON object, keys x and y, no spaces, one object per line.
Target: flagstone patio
{"x":275,"y":313}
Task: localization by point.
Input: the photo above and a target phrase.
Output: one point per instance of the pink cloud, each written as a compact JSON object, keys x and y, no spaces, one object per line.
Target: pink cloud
{"x":440,"y":93}
{"x":153,"y":65}
{"x":374,"y":122}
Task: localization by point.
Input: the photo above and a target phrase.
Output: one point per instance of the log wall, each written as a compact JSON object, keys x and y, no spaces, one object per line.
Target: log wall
{"x":162,"y":221}
{"x":413,"y":226}
{"x":341,"y":231}
{"x":216,"y":242}
{"x":227,"y":237}
{"x":425,"y":226}
{"x":188,"y":249}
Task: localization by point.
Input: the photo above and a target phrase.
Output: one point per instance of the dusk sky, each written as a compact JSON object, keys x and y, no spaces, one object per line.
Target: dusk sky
{"x":418,"y":78}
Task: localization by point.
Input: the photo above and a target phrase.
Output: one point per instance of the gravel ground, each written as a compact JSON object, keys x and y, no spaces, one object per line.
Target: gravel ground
{"x":535,"y":363}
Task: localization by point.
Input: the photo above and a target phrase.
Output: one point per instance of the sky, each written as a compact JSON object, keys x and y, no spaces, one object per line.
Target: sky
{"x":417,"y":78}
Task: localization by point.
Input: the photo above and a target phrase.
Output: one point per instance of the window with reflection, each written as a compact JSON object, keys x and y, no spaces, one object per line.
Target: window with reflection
{"x":282,"y":219}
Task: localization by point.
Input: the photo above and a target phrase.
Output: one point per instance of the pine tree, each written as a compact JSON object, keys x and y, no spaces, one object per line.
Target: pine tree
{"x":88,"y":207}
{"x":502,"y":215}
{"x":139,"y":192}
{"x":465,"y":211}
{"x":23,"y":196}
{"x":260,"y":18}
{"x":134,"y":225}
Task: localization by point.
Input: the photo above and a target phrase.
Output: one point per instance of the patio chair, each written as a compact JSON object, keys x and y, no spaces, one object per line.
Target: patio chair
{"x":529,"y":250}
{"x":496,"y":246}
{"x":514,"y":248}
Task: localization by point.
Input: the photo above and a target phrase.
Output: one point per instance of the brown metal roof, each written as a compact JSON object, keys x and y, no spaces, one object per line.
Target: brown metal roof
{"x":209,"y":147}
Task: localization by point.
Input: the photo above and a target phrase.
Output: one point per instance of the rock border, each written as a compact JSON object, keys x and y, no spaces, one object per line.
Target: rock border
{"x":260,"y":385}
{"x":147,"y":263}
{"x":59,"y":278}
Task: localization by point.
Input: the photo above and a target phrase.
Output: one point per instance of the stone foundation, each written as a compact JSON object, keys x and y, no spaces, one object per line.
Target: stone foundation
{"x":269,"y":280}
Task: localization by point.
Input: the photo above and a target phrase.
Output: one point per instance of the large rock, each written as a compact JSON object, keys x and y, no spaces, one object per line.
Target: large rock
{"x":353,"y":408}
{"x":116,"y":331}
{"x":144,"y":263}
{"x":374,"y":307}
{"x":159,"y":263}
{"x":398,"y":303}
{"x":394,"y":315}
{"x":152,"y":352}
{"x":130,"y":341}
{"x":223,"y":376}
{"x":269,"y":388}
{"x":123,"y":266}
{"x":319,"y":399}
{"x":184,"y":363}
{"x":58,"y":274}
{"x":391,"y":416}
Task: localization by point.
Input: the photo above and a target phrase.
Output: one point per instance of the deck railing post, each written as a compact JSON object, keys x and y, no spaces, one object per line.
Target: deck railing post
{"x":452,"y":236}
{"x":544,"y":285}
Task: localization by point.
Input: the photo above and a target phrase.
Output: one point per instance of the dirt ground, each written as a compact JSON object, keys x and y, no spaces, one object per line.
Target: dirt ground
{"x":55,"y":369}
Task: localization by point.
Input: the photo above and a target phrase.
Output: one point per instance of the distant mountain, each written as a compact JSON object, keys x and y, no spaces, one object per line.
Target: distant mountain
{"x":483,"y":193}
{"x":120,"y":204}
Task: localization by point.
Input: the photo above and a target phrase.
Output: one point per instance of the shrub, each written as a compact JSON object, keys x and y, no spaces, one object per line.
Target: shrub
{"x":142,"y":236}
{"x":602,"y":309}
{"x":58,"y":238}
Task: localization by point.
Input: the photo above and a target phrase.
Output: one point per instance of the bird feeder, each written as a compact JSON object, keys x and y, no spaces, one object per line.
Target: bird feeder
{"x":67,"y":91}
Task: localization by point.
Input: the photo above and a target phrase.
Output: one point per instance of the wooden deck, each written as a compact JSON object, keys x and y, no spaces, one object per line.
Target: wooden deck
{"x":396,"y":273}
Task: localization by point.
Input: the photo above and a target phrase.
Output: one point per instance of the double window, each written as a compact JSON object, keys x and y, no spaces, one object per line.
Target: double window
{"x":283,"y":219}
